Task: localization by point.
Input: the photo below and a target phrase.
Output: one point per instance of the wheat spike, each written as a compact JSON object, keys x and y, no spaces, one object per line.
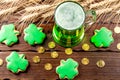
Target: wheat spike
{"x":7,"y":11}
{"x":36,"y":8}
{"x":35,"y":1}
{"x":39,"y":10}
{"x":8,"y":1}
{"x":106,"y":10}
{"x":87,"y":2}
{"x":48,"y":14}
{"x":29,"y":17}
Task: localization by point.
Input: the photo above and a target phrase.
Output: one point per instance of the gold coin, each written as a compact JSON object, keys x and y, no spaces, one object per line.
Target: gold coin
{"x":54,"y":54}
{"x":1,"y":62}
{"x":100,"y":63}
{"x":51,"y":45}
{"x":118,"y":46}
{"x":85,"y":61}
{"x":41,"y":49}
{"x":117,"y":29}
{"x":85,"y":47}
{"x":48,"y":66}
{"x":68,"y":51}
{"x":36,"y":59}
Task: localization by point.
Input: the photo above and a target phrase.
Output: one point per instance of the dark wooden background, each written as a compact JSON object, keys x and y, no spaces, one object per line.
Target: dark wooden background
{"x":110,"y":55}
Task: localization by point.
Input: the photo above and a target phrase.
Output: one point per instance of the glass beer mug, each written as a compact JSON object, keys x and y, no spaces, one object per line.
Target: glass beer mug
{"x":70,"y":23}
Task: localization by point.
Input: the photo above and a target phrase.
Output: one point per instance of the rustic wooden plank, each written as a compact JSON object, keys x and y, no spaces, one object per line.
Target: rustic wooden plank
{"x":90,"y":72}
{"x":23,"y":46}
{"x":110,"y":55}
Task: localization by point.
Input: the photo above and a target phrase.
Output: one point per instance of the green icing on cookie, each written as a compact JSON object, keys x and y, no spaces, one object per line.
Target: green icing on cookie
{"x":67,"y":69}
{"x":34,"y":35}
{"x":102,"y":37}
{"x":16,"y":62}
{"x":8,"y":35}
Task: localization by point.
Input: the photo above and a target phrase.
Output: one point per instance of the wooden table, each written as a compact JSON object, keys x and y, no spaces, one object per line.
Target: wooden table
{"x":110,"y":55}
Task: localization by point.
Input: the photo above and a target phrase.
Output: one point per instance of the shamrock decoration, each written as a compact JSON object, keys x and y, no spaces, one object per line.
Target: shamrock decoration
{"x":8,"y":35}
{"x":102,"y":37}
{"x":34,"y":35}
{"x":67,"y":69}
{"x":16,"y":62}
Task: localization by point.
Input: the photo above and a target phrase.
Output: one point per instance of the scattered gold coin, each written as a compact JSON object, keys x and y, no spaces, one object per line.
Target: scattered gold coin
{"x":41,"y":49}
{"x":85,"y":47}
{"x":1,"y":62}
{"x":51,"y":45}
{"x":48,"y":66}
{"x":54,"y":54}
{"x":118,"y":46}
{"x":85,"y":61}
{"x":68,"y":51}
{"x":36,"y":59}
{"x":100,"y":63}
{"x":117,"y":29}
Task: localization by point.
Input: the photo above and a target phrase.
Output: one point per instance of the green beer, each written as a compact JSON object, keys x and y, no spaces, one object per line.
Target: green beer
{"x":68,"y":30}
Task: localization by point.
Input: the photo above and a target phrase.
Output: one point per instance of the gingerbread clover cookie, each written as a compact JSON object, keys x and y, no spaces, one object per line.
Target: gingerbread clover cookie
{"x":8,"y":34}
{"x":102,"y":37}
{"x":16,"y":62}
{"x":34,"y":35}
{"x":67,"y":69}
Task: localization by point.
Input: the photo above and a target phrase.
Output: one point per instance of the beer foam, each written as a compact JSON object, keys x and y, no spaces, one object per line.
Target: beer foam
{"x":69,"y":15}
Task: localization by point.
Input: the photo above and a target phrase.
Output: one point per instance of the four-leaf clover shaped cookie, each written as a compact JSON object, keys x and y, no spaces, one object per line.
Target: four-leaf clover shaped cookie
{"x":34,"y":35}
{"x":67,"y":69}
{"x":8,"y":34}
{"x":16,"y":62}
{"x":102,"y":37}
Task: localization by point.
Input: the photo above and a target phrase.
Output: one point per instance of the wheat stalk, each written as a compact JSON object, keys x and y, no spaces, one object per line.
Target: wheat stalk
{"x":37,"y":10}
{"x":107,"y":10}
{"x":27,"y":16}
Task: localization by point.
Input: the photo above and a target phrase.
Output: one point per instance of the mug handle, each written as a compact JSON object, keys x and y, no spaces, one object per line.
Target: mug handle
{"x":91,"y":17}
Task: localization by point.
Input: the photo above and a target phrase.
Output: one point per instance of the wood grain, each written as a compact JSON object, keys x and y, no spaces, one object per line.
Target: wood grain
{"x":90,"y":72}
{"x":110,"y":55}
{"x":23,"y":46}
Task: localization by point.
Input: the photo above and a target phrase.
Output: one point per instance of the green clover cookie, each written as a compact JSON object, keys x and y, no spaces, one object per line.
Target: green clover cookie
{"x":34,"y":35}
{"x":16,"y":62}
{"x":8,"y":35}
{"x":102,"y":37}
{"x":67,"y":69}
